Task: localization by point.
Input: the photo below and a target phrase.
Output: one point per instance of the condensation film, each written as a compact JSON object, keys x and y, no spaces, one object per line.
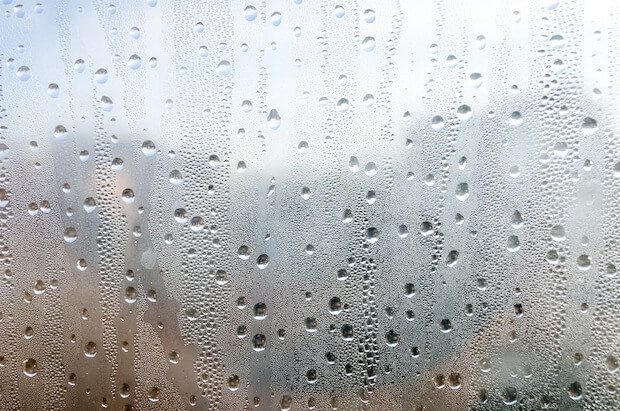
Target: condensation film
{"x":309,"y":204}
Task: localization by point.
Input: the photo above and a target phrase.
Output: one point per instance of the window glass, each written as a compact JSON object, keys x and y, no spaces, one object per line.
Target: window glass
{"x":289,"y":204}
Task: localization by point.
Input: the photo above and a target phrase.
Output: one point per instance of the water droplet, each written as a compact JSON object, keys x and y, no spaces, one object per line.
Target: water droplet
{"x":452,"y":258}
{"x":154,"y":394}
{"x":445,"y":325}
{"x":234,"y":382}
{"x":403,"y":231}
{"x":575,"y":391}
{"x":516,"y":119}
{"x":223,"y":68}
{"x":589,"y":126}
{"x":148,"y":148}
{"x":464,"y":112}
{"x":392,"y":338}
{"x":89,"y":204}
{"x":90,"y":349}
{"x":30,"y":367}
{"x":335,"y":306}
{"x":106,"y":103}
{"x":372,"y":235}
{"x":101,"y":76}
{"x":221,"y":277}
{"x":513,"y":244}
{"x":79,"y":66}
{"x":475,"y":80}
{"x":128,"y":195}
{"x":276,"y":19}
{"x":368,"y":44}
{"x":273,"y":119}
{"x":583,"y":262}
{"x":23,"y":73}
{"x":134,"y":33}
{"x":262,"y":261}
{"x":509,"y":395}
{"x":130,"y":295}
{"x":286,"y":402}
{"x":305,"y":193}
{"x":311,"y":324}
{"x":437,"y":123}
{"x":560,"y":149}
{"x":302,"y":147}
{"x":611,"y":363}
{"x":426,"y":228}
{"x":557,"y":41}
{"x":259,"y":342}
{"x":451,"y":61}
{"x":60,"y":132}
{"x":369,"y":16}
{"x":346,"y":332}
{"x":454,"y":381}
{"x":175,"y":177}
{"x":70,"y":235}
{"x":354,"y":164}
{"x":558,"y":233}
{"x":53,"y":90}
{"x":516,"y":220}
{"x":250,"y":13}
{"x":370,"y":169}
{"x":343,"y":105}
{"x":134,"y":62}
{"x":214,"y":161}
{"x":462,"y":191}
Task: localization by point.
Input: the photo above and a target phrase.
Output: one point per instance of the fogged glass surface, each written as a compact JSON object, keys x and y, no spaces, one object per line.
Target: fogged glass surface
{"x":291,"y":204}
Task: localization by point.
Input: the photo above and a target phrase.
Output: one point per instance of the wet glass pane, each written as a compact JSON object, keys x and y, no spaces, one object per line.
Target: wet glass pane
{"x":356,"y":204}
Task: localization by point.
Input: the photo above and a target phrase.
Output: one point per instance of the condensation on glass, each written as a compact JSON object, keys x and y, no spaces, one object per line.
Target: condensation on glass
{"x":291,"y":204}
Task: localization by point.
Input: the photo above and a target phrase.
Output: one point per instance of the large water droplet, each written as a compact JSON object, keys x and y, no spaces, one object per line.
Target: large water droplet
{"x":273,"y":119}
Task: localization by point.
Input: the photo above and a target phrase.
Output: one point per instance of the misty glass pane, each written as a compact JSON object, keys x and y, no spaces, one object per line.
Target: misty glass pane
{"x":309,"y":204}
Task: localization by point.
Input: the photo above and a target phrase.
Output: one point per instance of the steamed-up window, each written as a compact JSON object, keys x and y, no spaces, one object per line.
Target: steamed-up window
{"x":309,"y":204}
